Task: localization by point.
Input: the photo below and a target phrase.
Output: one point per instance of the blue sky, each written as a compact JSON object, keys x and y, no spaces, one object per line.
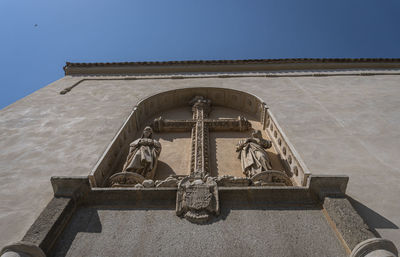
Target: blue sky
{"x":32,"y":55}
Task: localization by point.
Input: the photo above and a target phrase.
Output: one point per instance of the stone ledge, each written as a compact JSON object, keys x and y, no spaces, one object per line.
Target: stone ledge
{"x":64,"y":186}
{"x":50,"y":223}
{"x":326,"y":185}
{"x":348,"y":222}
{"x":317,"y":188}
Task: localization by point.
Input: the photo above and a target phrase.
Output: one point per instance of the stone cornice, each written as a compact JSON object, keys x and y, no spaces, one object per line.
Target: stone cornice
{"x":122,"y":68}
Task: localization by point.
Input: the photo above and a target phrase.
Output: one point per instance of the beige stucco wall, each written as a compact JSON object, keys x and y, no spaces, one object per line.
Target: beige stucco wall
{"x":339,"y":125}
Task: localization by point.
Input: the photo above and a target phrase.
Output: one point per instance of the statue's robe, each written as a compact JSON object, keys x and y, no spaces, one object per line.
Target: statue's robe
{"x":142,"y":159}
{"x":254,"y":158}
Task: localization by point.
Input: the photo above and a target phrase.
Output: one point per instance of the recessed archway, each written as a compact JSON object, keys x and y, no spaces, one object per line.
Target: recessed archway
{"x":223,"y":99}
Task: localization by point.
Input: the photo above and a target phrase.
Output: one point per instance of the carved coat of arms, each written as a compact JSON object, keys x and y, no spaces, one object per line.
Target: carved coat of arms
{"x":197,"y":200}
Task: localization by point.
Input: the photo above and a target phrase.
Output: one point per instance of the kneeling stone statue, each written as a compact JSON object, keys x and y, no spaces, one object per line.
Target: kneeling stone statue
{"x":143,"y":155}
{"x":252,"y":154}
{"x":141,"y":163}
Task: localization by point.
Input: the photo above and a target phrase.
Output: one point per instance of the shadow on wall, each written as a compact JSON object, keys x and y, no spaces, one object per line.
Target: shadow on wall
{"x":83,"y":232}
{"x":163,"y":171}
{"x":84,"y":221}
{"x":215,"y":167}
{"x":373,"y":219}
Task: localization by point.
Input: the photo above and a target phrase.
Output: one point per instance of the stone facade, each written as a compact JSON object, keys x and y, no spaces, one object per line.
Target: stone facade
{"x":339,"y":122}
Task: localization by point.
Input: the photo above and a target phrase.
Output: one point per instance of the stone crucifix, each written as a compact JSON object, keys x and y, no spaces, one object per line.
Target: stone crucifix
{"x":197,"y":196}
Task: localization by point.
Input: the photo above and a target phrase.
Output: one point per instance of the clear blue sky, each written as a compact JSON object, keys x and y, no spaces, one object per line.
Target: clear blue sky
{"x":105,"y":31}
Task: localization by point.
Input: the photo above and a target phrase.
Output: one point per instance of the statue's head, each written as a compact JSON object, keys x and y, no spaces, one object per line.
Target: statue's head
{"x":147,"y":132}
{"x":201,"y":102}
{"x":256,"y":134}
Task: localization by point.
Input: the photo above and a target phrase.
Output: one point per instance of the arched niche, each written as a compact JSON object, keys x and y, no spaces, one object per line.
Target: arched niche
{"x":224,"y":101}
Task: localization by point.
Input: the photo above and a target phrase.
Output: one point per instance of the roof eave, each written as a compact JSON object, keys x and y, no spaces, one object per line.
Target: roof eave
{"x":132,"y":68}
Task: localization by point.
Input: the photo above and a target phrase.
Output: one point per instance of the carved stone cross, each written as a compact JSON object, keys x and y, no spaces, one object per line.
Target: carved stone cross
{"x":200,"y":126}
{"x":197,"y":196}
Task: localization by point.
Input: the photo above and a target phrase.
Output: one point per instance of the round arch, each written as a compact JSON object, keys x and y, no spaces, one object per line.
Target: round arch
{"x":224,"y":97}
{"x":154,"y":104}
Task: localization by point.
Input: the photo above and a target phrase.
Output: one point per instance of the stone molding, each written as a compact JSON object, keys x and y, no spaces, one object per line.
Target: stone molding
{"x":317,"y":186}
{"x":253,"y":74}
